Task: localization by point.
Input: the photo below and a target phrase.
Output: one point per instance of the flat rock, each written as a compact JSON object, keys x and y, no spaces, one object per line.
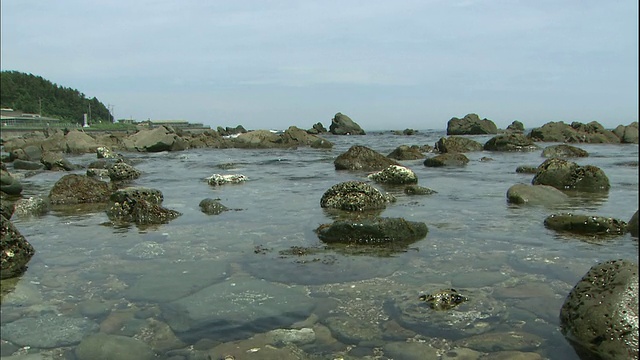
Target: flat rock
{"x":52,"y":331}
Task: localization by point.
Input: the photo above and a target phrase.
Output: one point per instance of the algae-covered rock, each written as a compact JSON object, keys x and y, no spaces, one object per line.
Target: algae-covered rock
{"x":567,"y":175}
{"x":379,"y":231}
{"x":585,"y":224}
{"x":354,"y":196}
{"x":394,"y":175}
{"x":15,"y":250}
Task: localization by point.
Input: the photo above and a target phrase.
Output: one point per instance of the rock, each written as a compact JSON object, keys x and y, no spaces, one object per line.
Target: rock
{"x":236,"y":308}
{"x":577,"y":132}
{"x":354,"y":196}
{"x":567,"y":175}
{"x":53,"y":331}
{"x":600,"y":315}
{"x":317,"y":128}
{"x":15,"y":251}
{"x":457,"y":144}
{"x":444,"y":299}
{"x":79,"y":142}
{"x":523,"y":194}
{"x":122,"y":171}
{"x":502,"y":341}
{"x":343,"y":125}
{"x":78,"y":189}
{"x":8,"y":184}
{"x":218,"y":179}
{"x":295,"y":137}
{"x":27,"y":165}
{"x":55,"y":161}
{"x":627,"y":134}
{"x":360,"y":157}
{"x":379,"y":231}
{"x":7,"y":207}
{"x":291,"y":138}
{"x":632,"y":225}
{"x":411,"y":350}
{"x":103,"y":152}
{"x":404,"y":152}
{"x":516,"y":126}
{"x":141,"y":206}
{"x":113,"y":347}
{"x":524,"y":169}
{"x":162,"y":138}
{"x":563,"y":151}
{"x":510,"y":142}
{"x":585,"y":224}
{"x":351,"y":330}
{"x":394,"y":175}
{"x":418,"y":190}
{"x":32,"y":206}
{"x":471,"y":125}
{"x":448,"y":159}
{"x":212,"y":206}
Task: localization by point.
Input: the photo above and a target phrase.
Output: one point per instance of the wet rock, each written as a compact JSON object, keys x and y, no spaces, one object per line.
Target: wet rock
{"x":53,"y":331}
{"x":122,"y":171}
{"x":448,"y":159}
{"x":394,"y":175}
{"x":600,"y":315}
{"x":585,"y":224}
{"x":27,"y":165}
{"x":146,"y":250}
{"x":563,"y":151}
{"x":55,"y":161}
{"x":513,"y":355}
{"x":510,"y":142}
{"x":7,"y":207}
{"x":444,"y":299}
{"x":79,"y":189}
{"x":567,"y":175}
{"x":471,"y":125}
{"x":523,"y":194}
{"x":162,"y":138}
{"x":79,"y":142}
{"x":404,"y":152}
{"x":355,"y":196}
{"x":457,"y":144}
{"x":15,"y":250}
{"x":317,"y":128}
{"x":103,"y":152}
{"x":632,"y":225}
{"x":577,"y":132}
{"x":292,"y":336}
{"x":418,"y":190}
{"x":113,"y":347}
{"x":480,"y":314}
{"x":379,"y":231}
{"x":502,"y":341}
{"x":524,"y":169}
{"x":32,"y":206}
{"x":218,"y":179}
{"x":141,"y":206}
{"x":159,"y":336}
{"x":516,"y":126}
{"x":9,"y":185}
{"x":343,"y":125}
{"x":350,"y":330}
{"x":212,"y":206}
{"x":257,"y":347}
{"x":360,"y":157}
{"x":410,"y":350}
{"x":627,"y":134}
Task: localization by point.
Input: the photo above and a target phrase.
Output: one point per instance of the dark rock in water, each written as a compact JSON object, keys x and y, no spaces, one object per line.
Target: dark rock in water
{"x":448,"y":159}
{"x":343,"y":125}
{"x":139,"y":205}
{"x":516,"y":126}
{"x":317,"y":128}
{"x":577,"y":132}
{"x":627,"y":134}
{"x":32,"y":206}
{"x":510,"y":142}
{"x":444,"y":299}
{"x":457,"y":144}
{"x":505,"y":344}
{"x":291,"y":138}
{"x":9,"y":185}
{"x":16,"y":251}
{"x":418,"y":190}
{"x":236,"y":309}
{"x":380,"y":231}
{"x":102,"y":346}
{"x":600,"y":315}
{"x":53,"y":331}
{"x":481,"y":313}
{"x":535,"y":195}
{"x":212,"y":206}
{"x":123,"y":171}
{"x":471,"y":125}
{"x":632,"y":225}
{"x":567,"y":175}
{"x":360,"y":157}
{"x":79,"y":189}
{"x":394,"y":175}
{"x":585,"y":224}
{"x":563,"y":151}
{"x":27,"y":165}
{"x":404,"y":152}
{"x":55,"y":161}
{"x":524,"y":169}
{"x":162,"y":138}
{"x":355,"y":196}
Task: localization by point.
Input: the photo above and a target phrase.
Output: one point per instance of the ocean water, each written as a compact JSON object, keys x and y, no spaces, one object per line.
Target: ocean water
{"x":176,"y":273}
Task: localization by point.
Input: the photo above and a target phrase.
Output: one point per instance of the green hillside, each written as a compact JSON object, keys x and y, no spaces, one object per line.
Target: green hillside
{"x":34,"y":94}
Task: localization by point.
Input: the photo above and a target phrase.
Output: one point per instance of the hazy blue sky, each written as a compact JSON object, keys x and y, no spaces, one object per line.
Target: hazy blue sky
{"x":387,"y":64}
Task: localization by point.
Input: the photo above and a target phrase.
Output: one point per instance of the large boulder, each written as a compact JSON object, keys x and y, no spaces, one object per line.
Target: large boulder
{"x":343,"y":125}
{"x":447,"y":159}
{"x":585,"y":224}
{"x":79,"y":189}
{"x":516,"y":126}
{"x":471,"y":125}
{"x":15,"y":250}
{"x":360,"y":157}
{"x":458,"y":144}
{"x":405,"y":152}
{"x":317,"y":128}
{"x":567,"y":175}
{"x":162,"y":138}
{"x":121,"y":171}
{"x":79,"y":142}
{"x":563,"y":151}
{"x":632,"y":225}
{"x":510,"y":142}
{"x":355,"y":196}
{"x":139,"y":205}
{"x":291,"y":138}
{"x":394,"y":175}
{"x":378,"y":231}
{"x":577,"y":132}
{"x":55,"y":161}
{"x":627,"y":134}
{"x":600,"y":315}
{"x":8,"y":184}
{"x":523,"y":194}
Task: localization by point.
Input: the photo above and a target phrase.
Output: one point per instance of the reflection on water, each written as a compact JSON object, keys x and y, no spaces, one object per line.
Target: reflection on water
{"x":123,"y":278}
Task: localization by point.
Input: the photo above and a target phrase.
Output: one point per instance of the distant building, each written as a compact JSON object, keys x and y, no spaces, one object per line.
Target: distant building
{"x":11,"y":117}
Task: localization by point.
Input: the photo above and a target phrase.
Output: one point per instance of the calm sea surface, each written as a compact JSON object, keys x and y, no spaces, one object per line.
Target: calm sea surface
{"x":476,"y":243}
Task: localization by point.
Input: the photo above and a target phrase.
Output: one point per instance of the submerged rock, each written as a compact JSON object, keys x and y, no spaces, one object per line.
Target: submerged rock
{"x":52,"y":331}
{"x":418,"y":190}
{"x":139,"y":205}
{"x":447,"y":159}
{"x":404,"y":152}
{"x":600,"y":315}
{"x":563,"y":151}
{"x":355,"y":196}
{"x":380,"y":231}
{"x":15,"y":250}
{"x":102,"y":346}
{"x":212,"y":206}
{"x":524,"y":194}
{"x":443,"y":299}
{"x":457,"y":144}
{"x":585,"y":224}
{"x":218,"y":179}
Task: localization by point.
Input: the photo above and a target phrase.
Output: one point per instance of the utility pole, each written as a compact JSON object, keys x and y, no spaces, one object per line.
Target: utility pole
{"x":40,"y":102}
{"x":89,"y":112}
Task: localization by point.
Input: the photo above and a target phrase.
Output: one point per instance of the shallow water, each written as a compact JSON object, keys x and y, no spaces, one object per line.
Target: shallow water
{"x":477,"y":243}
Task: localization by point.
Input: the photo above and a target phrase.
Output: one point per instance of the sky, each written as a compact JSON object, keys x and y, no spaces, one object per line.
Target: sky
{"x":388,"y":65}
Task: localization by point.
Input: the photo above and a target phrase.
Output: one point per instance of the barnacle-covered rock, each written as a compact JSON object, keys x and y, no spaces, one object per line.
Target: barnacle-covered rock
{"x":444,"y":299}
{"x":218,"y":179}
{"x":585,"y":224}
{"x":378,"y":231}
{"x":394,"y":175}
{"x":355,"y":196}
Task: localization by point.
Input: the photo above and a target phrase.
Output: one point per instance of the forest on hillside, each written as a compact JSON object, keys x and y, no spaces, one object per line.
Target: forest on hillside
{"x":34,"y":94}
